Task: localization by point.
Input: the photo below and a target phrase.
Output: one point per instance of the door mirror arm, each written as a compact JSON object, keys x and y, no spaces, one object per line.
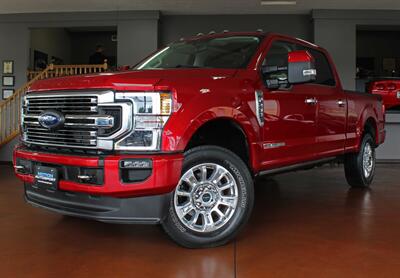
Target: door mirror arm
{"x":275,"y":84}
{"x":271,"y":82}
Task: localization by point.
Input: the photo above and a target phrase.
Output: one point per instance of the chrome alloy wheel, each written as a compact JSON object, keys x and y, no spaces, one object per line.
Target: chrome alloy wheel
{"x":206,"y":197}
{"x":368,"y":160}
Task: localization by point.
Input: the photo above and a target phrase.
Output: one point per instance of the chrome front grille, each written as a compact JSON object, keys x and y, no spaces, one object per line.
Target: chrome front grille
{"x":86,"y":105}
{"x":85,"y":119}
{"x":78,"y":137}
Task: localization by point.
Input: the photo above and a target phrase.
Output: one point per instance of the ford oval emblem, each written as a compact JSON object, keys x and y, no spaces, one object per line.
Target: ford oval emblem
{"x":51,"y":119}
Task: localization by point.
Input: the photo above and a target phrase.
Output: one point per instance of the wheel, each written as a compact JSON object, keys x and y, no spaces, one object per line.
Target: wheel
{"x":360,"y":167}
{"x":213,"y":199}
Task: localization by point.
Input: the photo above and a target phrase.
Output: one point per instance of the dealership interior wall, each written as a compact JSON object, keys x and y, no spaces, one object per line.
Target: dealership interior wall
{"x":140,"y":33}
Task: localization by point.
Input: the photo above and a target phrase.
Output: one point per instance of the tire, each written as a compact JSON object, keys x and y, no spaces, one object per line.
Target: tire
{"x":356,"y":174}
{"x":199,"y":195}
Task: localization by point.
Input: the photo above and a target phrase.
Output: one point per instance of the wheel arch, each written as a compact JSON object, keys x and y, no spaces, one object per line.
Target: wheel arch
{"x":368,"y":124}
{"x":234,"y":128}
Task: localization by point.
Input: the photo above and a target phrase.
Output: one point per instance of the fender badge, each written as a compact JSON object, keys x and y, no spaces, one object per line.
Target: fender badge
{"x":218,"y":77}
{"x":204,"y":91}
{"x":274,"y":145}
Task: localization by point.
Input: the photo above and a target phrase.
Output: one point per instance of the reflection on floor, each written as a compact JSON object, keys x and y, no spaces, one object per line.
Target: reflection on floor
{"x":304,"y":224}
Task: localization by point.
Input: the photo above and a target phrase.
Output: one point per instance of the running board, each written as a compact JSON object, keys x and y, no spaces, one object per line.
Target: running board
{"x":299,"y":166}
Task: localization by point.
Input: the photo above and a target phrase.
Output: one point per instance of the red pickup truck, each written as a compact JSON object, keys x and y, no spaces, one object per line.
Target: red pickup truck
{"x":388,"y":89}
{"x":180,"y":139}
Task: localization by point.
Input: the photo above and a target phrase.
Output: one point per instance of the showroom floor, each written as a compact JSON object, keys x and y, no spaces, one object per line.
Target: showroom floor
{"x":305,"y":224}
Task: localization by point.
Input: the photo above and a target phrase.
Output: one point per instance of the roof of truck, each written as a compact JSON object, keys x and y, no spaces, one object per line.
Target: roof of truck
{"x":259,"y":33}
{"x":213,"y":34}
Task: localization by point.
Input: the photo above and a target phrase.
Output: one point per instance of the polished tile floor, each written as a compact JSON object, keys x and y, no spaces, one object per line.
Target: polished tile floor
{"x":305,"y":224}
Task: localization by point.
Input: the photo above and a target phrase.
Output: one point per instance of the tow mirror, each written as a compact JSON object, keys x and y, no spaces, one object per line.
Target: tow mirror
{"x":301,"y":67}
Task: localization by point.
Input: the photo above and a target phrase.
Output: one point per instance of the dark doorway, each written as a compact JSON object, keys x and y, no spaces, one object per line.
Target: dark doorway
{"x":378,"y":54}
{"x":378,"y":63}
{"x":84,"y":41}
{"x":73,"y":45}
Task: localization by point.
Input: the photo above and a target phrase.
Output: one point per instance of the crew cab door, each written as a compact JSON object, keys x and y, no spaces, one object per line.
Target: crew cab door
{"x":289,"y":129}
{"x":332,"y":109}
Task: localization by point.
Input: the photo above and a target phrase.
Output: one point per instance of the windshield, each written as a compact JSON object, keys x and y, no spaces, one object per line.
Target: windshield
{"x":225,"y":52}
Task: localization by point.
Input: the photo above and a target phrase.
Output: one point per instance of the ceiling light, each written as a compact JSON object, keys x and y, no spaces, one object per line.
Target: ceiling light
{"x":278,"y":2}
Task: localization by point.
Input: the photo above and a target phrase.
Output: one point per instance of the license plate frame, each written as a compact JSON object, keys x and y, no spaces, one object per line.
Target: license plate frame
{"x":46,"y":176}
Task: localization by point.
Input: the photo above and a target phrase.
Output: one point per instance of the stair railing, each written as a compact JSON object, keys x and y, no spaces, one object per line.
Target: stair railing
{"x":64,"y":70}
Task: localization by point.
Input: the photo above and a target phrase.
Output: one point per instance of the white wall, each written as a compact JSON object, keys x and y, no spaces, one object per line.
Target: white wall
{"x":136,"y":40}
{"x":172,"y":28}
{"x":339,"y":38}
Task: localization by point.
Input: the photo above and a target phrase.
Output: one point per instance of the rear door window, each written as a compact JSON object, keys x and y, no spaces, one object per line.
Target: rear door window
{"x":324,"y":71}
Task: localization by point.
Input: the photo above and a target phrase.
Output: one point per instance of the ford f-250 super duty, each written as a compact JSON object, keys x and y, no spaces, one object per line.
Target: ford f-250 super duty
{"x":180,"y":139}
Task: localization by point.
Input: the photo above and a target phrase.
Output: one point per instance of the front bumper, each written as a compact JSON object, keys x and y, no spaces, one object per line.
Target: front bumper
{"x":165,"y":172}
{"x":139,"y":210}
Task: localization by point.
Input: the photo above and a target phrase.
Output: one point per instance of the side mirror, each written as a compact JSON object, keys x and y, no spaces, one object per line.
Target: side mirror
{"x":301,"y":67}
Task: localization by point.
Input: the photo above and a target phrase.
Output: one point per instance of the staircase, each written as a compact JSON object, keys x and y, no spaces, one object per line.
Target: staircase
{"x":10,"y":110}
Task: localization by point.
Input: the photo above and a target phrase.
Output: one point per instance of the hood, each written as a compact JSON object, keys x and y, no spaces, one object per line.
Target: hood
{"x":143,"y":80}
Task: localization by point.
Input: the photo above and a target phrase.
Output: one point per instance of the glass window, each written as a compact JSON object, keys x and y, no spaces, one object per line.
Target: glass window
{"x":278,"y":56}
{"x":324,"y":71}
{"x":224,"y":52}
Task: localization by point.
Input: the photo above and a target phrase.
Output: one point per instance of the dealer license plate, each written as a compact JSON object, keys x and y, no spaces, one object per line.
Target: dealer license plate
{"x":46,"y":176}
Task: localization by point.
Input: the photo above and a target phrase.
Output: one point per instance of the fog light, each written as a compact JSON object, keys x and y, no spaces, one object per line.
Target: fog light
{"x":23,"y":166}
{"x":136,"y":164}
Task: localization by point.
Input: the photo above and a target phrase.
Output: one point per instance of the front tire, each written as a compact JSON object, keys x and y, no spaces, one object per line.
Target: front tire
{"x":360,"y":167}
{"x":213,"y":199}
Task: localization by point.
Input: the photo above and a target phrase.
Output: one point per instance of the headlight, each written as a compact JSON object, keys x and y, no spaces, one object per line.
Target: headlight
{"x":150,"y":113}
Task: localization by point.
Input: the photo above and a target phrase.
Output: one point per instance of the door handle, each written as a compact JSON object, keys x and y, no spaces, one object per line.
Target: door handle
{"x":341,"y":103}
{"x":311,"y":101}
{"x":84,"y":177}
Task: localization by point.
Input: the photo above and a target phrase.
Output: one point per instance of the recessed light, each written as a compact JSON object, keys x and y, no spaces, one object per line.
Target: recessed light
{"x":278,"y":2}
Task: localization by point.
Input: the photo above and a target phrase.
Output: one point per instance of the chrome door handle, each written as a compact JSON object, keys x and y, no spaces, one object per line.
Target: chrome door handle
{"x":84,"y":177}
{"x":311,"y":101}
{"x":341,"y":103}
